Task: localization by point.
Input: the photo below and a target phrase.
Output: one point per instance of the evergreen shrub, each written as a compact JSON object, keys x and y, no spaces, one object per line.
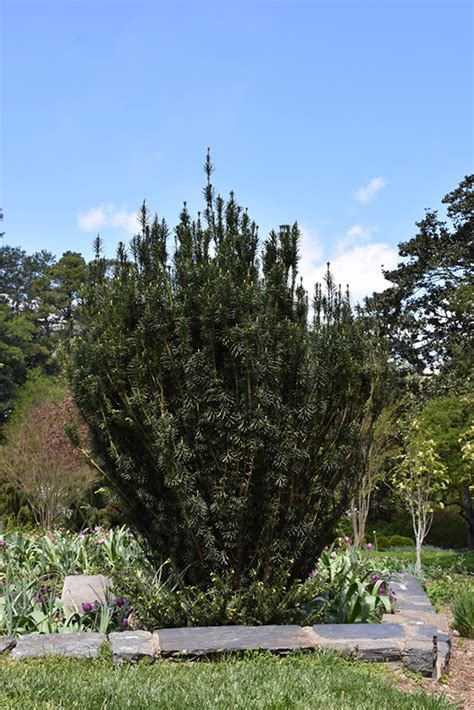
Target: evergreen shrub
{"x":225,"y":417}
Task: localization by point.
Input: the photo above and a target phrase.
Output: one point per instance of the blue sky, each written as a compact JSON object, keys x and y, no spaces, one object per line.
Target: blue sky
{"x":350,"y":117}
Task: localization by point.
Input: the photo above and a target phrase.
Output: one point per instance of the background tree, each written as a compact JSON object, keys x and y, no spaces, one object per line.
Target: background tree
{"x":428,"y":312}
{"x":377,"y":456}
{"x":373,"y":432}
{"x":227,"y":424}
{"x":15,"y":336}
{"x":420,"y":480}
{"x":448,"y":420}
{"x":38,"y":459}
{"x":18,"y":273}
{"x":56,"y":294}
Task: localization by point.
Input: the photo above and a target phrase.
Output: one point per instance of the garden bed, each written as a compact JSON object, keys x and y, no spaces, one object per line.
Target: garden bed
{"x":414,"y":637}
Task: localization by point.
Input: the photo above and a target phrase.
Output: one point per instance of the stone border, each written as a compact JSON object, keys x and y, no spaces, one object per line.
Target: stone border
{"x":415,"y":637}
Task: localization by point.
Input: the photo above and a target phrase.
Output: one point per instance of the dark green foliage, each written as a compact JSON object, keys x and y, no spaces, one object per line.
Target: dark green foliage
{"x":227,"y":424}
{"x":166,"y":601}
{"x":15,"y":335}
{"x":18,"y":273}
{"x":429,"y":310}
{"x":46,"y":294}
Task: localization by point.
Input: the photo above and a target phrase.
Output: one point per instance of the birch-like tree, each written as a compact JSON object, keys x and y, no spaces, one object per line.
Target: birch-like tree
{"x":420,"y":479}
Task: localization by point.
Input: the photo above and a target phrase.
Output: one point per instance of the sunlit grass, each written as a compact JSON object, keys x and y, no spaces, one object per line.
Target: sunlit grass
{"x":254,"y":681}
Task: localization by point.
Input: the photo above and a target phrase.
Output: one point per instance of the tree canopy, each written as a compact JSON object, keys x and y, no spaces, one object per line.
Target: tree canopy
{"x":429,"y":310}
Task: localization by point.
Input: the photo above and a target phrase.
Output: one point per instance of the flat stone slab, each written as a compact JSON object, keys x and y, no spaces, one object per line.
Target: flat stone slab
{"x":6,"y":643}
{"x":81,"y":645}
{"x":198,"y":641}
{"x":359,"y":631}
{"x":421,"y":632}
{"x":79,"y":589}
{"x":420,"y":618}
{"x":131,"y":646}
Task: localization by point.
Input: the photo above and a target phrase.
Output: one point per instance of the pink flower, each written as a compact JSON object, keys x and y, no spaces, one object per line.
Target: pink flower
{"x":100,"y":542}
{"x":347,"y":539}
{"x":369,"y":546}
{"x":333,"y":554}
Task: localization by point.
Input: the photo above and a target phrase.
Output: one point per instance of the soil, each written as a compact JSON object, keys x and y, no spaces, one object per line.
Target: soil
{"x":457,"y":684}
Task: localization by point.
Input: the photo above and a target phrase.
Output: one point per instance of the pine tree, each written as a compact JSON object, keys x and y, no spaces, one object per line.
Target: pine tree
{"x":225,"y":418}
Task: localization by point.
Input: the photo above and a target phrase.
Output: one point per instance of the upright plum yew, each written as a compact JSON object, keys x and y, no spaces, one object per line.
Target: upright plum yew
{"x":224,"y":413}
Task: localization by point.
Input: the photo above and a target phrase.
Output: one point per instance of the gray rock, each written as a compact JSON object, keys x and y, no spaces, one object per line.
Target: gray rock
{"x":199,"y":641}
{"x":419,"y":657}
{"x":378,"y":650}
{"x":443,"y":654}
{"x":421,"y":632}
{"x":409,"y":581}
{"x":81,"y":645}
{"x":342,"y":632}
{"x":423,"y":607}
{"x":79,"y":589}
{"x":6,"y":643}
{"x":130,"y":646}
{"x":418,"y":618}
{"x":344,"y":646}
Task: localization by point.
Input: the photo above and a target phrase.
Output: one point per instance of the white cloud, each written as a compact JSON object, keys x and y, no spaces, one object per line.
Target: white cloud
{"x":367,"y":193}
{"x":359,"y":265}
{"x":107,"y":215}
{"x":356,"y":234}
{"x":91,"y":220}
{"x":361,"y":269}
{"x":311,"y":254}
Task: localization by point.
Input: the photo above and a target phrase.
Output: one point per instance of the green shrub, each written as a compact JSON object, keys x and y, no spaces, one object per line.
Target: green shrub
{"x":164,"y":600}
{"x":346,"y":586}
{"x":462,"y":608}
{"x":447,"y":530}
{"x":400,"y":541}
{"x":227,"y":421}
{"x":381,"y":541}
{"x":444,"y":586}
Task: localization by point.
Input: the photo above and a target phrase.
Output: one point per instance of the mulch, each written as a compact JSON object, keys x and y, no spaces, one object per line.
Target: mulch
{"x":457,"y":684}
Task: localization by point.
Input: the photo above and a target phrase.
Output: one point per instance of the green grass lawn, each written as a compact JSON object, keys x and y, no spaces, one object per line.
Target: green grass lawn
{"x":431,"y":557}
{"x":314,"y":680}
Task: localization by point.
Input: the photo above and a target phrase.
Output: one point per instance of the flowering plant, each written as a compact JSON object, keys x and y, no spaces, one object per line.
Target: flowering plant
{"x":350,"y":588}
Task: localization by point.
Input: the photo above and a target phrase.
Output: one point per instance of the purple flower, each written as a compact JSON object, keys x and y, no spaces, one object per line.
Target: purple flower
{"x":120,"y":601}
{"x":124,"y":623}
{"x":43,"y":595}
{"x":86,"y":607}
{"x":3,"y":543}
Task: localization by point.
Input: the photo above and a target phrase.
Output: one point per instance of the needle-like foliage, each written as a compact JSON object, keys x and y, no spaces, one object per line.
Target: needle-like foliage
{"x":225,"y":418}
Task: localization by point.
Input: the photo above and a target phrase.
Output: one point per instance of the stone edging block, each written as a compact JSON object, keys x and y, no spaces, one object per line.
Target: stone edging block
{"x":78,"y":645}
